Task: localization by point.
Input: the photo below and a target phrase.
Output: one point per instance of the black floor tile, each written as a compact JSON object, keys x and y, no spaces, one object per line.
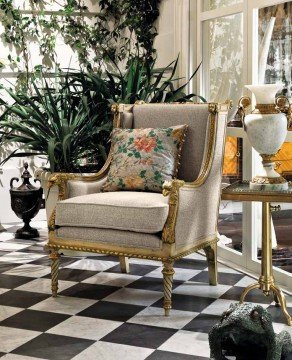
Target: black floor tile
{"x":89,"y":291}
{"x":167,"y":355}
{"x":34,"y":320}
{"x":74,"y":274}
{"x":53,"y":347}
{"x":191,"y":264}
{"x":223,"y":278}
{"x":36,"y":249}
{"x":255,"y":295}
{"x":111,"y":311}
{"x":64,"y":261}
{"x":154,"y":284}
{"x":22,"y":299}
{"x":4,"y":266}
{"x":104,"y":258}
{"x":139,"y":335}
{"x":187,"y":302}
{"x":277,"y":314}
{"x":202,"y":323}
{"x":12,"y":281}
{"x":135,"y":269}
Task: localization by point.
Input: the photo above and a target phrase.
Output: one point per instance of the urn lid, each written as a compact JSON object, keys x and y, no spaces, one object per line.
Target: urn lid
{"x":26,"y":185}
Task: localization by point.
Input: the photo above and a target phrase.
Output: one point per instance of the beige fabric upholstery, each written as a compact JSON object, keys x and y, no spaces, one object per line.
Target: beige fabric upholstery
{"x":164,"y":115}
{"x":198,"y":208}
{"x":124,"y":210}
{"x":109,"y":236}
{"x":78,"y":188}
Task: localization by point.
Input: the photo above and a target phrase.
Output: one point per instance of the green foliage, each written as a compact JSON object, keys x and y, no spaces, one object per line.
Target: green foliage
{"x":141,"y":81}
{"x":55,"y":123}
{"x":94,"y":42}
{"x":73,"y":119}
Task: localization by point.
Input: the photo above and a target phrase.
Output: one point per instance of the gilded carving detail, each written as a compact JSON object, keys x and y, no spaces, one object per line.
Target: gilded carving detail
{"x":171,"y":189}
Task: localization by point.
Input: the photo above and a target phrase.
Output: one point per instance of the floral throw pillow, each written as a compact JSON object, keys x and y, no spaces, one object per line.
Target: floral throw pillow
{"x":143,"y":159}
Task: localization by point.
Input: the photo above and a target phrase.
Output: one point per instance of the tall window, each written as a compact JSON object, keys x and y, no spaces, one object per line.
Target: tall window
{"x":246,"y":42}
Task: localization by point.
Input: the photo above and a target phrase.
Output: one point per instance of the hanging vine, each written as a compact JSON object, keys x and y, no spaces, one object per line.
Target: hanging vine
{"x":115,"y":32}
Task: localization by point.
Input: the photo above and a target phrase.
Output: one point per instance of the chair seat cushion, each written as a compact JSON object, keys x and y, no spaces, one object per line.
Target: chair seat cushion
{"x":123,"y":210}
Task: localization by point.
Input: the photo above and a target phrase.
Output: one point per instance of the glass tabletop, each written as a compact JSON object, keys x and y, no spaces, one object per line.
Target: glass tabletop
{"x":240,"y":191}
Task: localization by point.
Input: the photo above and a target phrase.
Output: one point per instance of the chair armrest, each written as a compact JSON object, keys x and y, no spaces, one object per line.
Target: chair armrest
{"x":71,"y":185}
{"x":193,"y":206}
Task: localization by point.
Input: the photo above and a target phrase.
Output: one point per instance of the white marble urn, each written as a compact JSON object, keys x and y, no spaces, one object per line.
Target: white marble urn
{"x":266,"y":129}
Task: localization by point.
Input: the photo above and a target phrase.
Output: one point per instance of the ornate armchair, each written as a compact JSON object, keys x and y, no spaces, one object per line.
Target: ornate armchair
{"x":167,"y":226}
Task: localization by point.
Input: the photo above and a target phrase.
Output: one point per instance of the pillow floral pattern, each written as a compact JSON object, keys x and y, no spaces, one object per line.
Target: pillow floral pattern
{"x":143,"y":159}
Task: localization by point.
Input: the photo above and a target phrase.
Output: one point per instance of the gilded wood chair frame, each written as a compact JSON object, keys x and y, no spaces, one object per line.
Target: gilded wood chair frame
{"x":168,"y":252}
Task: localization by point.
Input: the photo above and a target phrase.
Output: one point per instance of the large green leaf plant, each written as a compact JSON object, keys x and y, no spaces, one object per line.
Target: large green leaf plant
{"x":54,"y":123}
{"x":72,"y":120}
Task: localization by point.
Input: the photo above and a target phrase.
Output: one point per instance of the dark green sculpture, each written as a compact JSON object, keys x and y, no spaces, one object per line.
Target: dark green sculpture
{"x":246,"y":331}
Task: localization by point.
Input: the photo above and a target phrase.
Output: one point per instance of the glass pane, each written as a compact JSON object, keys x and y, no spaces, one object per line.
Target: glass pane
{"x":281,"y":238}
{"x":275,"y":55}
{"x":230,"y":213}
{"x":230,"y":225}
{"x":275,"y":45}
{"x":214,"y":4}
{"x":222,"y":58}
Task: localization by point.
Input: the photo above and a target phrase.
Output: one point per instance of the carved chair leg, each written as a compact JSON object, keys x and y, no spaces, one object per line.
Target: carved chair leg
{"x":167,"y":284}
{"x":211,"y":253}
{"x":55,"y":263}
{"x":124,"y":264}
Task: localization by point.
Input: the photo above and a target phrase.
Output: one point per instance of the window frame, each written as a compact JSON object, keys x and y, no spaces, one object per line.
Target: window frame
{"x":251,"y":211}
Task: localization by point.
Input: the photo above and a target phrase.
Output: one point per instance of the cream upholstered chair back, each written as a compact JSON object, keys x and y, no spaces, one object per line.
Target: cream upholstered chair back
{"x":165,"y":115}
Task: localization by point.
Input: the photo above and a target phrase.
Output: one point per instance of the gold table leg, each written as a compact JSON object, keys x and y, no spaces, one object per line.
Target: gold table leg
{"x":267,"y":281}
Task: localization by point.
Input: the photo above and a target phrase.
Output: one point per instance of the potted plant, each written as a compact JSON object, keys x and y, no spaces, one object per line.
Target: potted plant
{"x":71,"y":121}
{"x":58,"y":124}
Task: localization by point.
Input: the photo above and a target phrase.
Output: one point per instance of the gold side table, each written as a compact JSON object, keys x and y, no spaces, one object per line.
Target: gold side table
{"x":240,"y":191}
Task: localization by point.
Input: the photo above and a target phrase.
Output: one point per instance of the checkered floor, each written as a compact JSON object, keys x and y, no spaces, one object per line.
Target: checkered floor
{"x":104,"y":314}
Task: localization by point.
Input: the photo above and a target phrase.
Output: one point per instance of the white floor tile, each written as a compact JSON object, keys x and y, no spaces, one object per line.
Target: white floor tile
{"x":226,"y":269}
{"x":289,"y":300}
{"x":18,"y":357}
{"x":180,"y":274}
{"x":144,"y":262}
{"x":7,"y":311}
{"x":218,"y":306}
{"x":2,"y":291}
{"x":20,"y":257}
{"x":44,"y":286}
{"x":245,"y":281}
{"x":187,"y":342}
{"x":134,"y":296}
{"x":85,"y":327}
{"x":4,"y":236}
{"x":111,"y":351}
{"x":280,"y":327}
{"x":9,"y":246}
{"x":221,"y":305}
{"x":154,"y":316}
{"x":112,"y":279}
{"x":195,"y":256}
{"x":63,"y":305}
{"x":39,"y":224}
{"x":93,"y":265}
{"x":201,"y":289}
{"x":30,"y":270}
{"x":11,"y":338}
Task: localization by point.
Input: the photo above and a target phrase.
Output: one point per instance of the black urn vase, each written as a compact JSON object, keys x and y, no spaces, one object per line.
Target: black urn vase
{"x":26,"y":202}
